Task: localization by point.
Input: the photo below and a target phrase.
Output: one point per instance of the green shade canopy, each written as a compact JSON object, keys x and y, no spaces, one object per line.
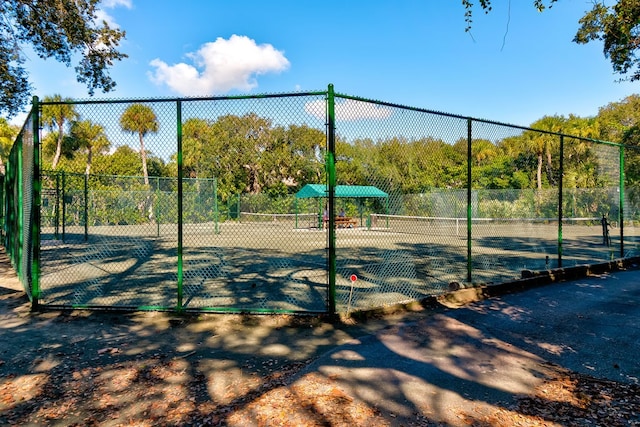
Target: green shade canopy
{"x":320,"y":190}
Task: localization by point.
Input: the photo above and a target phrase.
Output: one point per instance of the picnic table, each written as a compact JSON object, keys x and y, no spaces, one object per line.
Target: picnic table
{"x":345,"y":222}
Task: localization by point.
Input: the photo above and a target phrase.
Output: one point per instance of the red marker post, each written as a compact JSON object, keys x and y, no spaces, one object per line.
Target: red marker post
{"x":353,"y":279}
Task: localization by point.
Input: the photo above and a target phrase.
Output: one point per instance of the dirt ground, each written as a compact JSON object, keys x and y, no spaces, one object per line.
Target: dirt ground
{"x":148,"y":369}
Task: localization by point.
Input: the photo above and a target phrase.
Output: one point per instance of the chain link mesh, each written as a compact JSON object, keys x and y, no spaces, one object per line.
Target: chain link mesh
{"x":18,"y":207}
{"x":426,"y":203}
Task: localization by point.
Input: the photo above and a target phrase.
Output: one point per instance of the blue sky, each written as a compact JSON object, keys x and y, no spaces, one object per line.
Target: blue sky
{"x":516,"y":66}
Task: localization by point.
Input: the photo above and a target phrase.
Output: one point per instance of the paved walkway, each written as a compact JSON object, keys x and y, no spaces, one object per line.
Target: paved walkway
{"x":476,"y":358}
{"x":480,"y":356}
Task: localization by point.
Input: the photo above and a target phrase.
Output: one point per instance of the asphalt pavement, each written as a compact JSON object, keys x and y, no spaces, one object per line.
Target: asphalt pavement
{"x":480,"y":356}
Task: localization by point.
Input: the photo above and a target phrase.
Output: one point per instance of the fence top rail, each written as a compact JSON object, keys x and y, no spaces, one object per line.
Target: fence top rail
{"x":474,"y":119}
{"x":40,"y":103}
{"x":151,"y":177}
{"x":182,"y":99}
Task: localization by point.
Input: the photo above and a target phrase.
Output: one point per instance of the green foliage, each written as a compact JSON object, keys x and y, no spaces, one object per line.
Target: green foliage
{"x":121,"y":200}
{"x":618,"y":27}
{"x":265,"y":164}
{"x":247,"y":154}
{"x":264,"y":203}
{"x":124,"y":161}
{"x":8,"y":133}
{"x":56,"y":35}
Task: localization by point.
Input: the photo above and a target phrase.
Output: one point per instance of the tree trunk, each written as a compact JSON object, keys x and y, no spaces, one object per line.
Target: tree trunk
{"x":88,"y":169}
{"x":143,"y":155}
{"x":539,"y":171}
{"x":552,"y":180}
{"x":56,"y":157}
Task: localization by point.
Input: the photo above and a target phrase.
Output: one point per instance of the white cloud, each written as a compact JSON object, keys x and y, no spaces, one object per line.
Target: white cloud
{"x":349,"y":110}
{"x":220,"y":66}
{"x":102,"y":15}
{"x":110,"y":4}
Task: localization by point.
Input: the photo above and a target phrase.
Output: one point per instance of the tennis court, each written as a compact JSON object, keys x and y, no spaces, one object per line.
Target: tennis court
{"x":231,"y":219}
{"x":278,"y":262}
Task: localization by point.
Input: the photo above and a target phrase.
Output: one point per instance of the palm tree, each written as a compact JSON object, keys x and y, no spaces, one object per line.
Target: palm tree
{"x":91,"y":137}
{"x":56,"y":115}
{"x":544,"y":144}
{"x":140,"y":119}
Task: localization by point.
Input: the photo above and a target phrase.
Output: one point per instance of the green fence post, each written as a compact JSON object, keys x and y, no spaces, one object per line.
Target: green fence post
{"x":155,"y":206}
{"x":331,"y":182}
{"x":469,"y":202}
{"x":86,"y":207}
{"x":179,"y":306}
{"x":18,"y":251}
{"x":36,"y":201}
{"x":56,"y":212}
{"x":560,"y":201}
{"x":621,"y":210}
{"x":215,"y":206}
{"x":64,"y":205}
{"x":2,"y":198}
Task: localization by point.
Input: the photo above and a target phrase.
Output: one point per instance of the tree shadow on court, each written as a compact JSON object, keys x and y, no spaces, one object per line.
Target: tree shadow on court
{"x":113,"y":272}
{"x":235,"y":278}
{"x":529,"y":253}
{"x":142,"y":271}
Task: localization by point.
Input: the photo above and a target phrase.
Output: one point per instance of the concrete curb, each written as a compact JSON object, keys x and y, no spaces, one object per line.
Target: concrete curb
{"x":530,"y":279}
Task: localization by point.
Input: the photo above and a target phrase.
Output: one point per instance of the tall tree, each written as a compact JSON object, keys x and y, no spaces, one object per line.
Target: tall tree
{"x":620,"y":122}
{"x":196,"y":135}
{"x":616,"y":118}
{"x":294,"y":156}
{"x":545,"y":144}
{"x":91,"y":138}
{"x":140,"y":119}
{"x":56,"y":113}
{"x":618,"y":27}
{"x":57,"y":29}
{"x":234,"y":157}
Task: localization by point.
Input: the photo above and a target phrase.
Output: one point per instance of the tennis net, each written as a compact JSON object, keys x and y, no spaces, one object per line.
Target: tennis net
{"x":451,"y":226}
{"x":299,"y":220}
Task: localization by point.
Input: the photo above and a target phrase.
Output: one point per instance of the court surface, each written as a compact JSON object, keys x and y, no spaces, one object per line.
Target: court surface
{"x":283,"y":265}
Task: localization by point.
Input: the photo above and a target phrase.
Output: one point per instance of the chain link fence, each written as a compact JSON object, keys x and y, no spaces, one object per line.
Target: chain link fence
{"x":20,"y":223}
{"x":298,"y":203}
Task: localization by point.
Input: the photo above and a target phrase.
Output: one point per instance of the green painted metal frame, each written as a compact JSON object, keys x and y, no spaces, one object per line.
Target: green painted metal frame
{"x":331,"y":185}
{"x":31,"y":275}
